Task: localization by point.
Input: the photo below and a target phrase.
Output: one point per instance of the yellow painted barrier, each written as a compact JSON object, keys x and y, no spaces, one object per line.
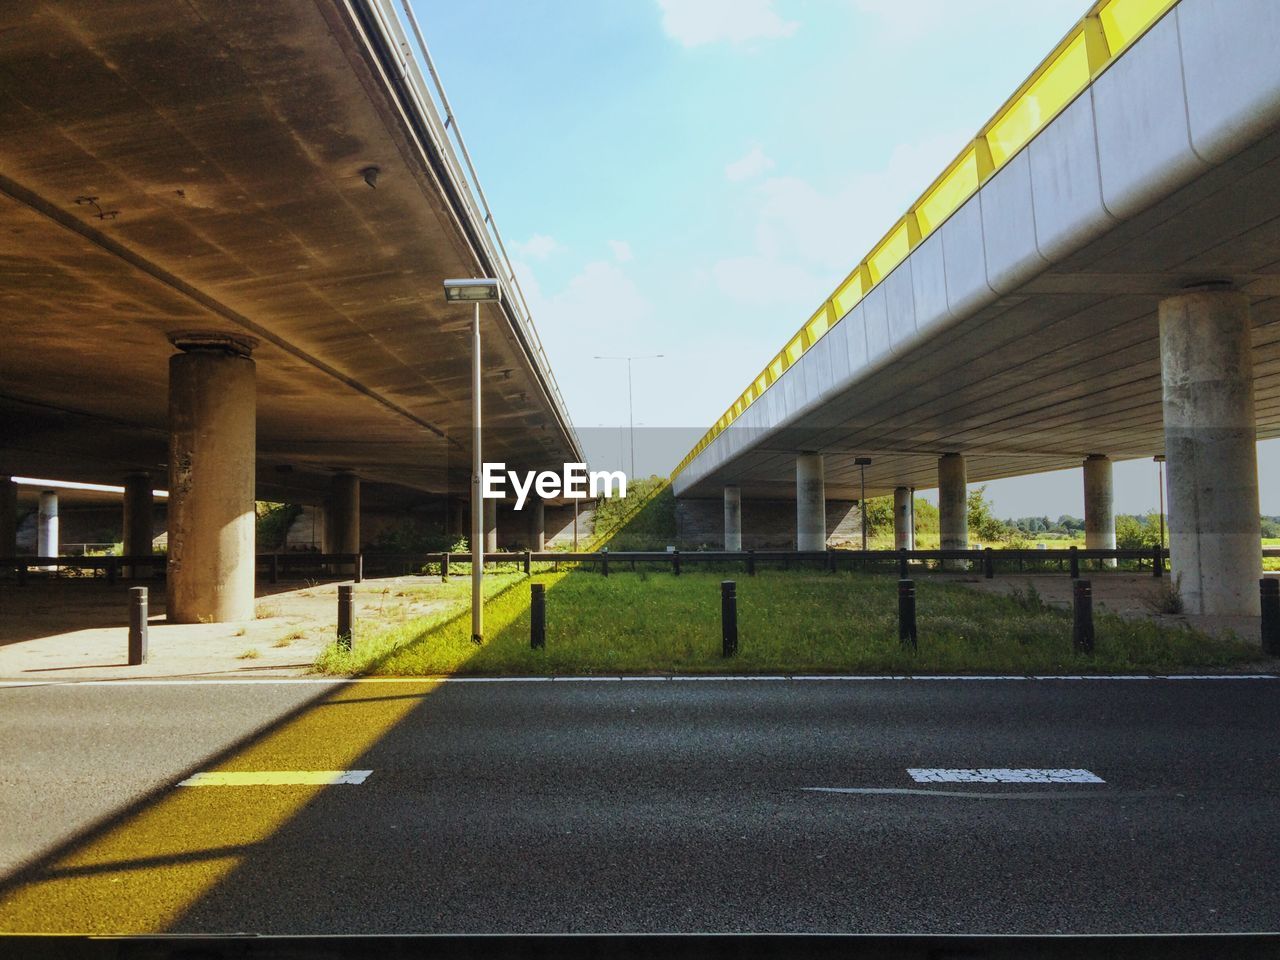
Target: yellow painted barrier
{"x":1106,"y":31}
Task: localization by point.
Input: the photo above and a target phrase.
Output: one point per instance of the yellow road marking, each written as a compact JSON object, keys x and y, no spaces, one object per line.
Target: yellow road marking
{"x":141,"y":875}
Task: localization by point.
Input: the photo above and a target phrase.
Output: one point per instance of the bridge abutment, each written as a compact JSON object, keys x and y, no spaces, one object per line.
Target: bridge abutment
{"x":1206,"y":359}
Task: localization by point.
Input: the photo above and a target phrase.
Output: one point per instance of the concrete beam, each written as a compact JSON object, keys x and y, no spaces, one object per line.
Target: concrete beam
{"x":1206,"y":358}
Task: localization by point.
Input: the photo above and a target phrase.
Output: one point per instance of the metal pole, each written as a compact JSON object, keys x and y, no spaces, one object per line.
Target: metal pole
{"x":631,"y":416}
{"x":907,"y":613}
{"x":1161,"y":464}
{"x":728,"y":618}
{"x":137,"y":626}
{"x":346,"y":615}
{"x":1082,"y":624}
{"x":575,"y":526}
{"x":864,"y":507}
{"x":537,"y":616}
{"x":477,"y":505}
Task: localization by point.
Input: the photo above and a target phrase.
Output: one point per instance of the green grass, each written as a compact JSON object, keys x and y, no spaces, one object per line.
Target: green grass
{"x":656,"y":623}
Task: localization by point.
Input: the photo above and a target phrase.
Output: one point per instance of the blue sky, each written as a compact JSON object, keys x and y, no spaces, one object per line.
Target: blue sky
{"x":693,"y":177}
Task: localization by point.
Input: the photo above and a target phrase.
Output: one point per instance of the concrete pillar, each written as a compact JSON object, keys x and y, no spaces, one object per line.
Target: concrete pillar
{"x":904,"y":533}
{"x":1099,"y":515}
{"x":47,"y":524}
{"x":8,"y":519}
{"x":953,"y":506}
{"x":537,"y":524}
{"x":138,"y":515}
{"x":491,"y":526}
{"x":212,"y":452}
{"x":732,"y":518}
{"x":343,"y":517}
{"x":1206,"y":362}
{"x":811,"y":503}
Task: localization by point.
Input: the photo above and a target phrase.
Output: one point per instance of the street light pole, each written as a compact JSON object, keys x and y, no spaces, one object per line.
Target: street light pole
{"x":1159,"y":459}
{"x":862,"y":463}
{"x":475,"y":292}
{"x":631,"y":412}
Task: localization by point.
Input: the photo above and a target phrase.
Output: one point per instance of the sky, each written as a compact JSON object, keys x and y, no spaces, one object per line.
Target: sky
{"x":692,"y":178}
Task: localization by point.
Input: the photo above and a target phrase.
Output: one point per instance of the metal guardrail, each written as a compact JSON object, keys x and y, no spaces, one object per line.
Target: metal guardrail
{"x":471,"y":192}
{"x":1106,"y":31}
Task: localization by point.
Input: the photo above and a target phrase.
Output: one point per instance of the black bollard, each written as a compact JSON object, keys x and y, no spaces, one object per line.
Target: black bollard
{"x":751,"y":563}
{"x":444,"y":567}
{"x":1075,"y":564}
{"x":528,"y":563}
{"x":346,"y":615}
{"x":1082,"y":625}
{"x":675,"y":562}
{"x":988,"y":563}
{"x":907,"y":612}
{"x":137,"y":626}
{"x":728,"y":617}
{"x":902,"y":564}
{"x":537,"y":616}
{"x":1157,"y":562}
{"x":1270,"y":588}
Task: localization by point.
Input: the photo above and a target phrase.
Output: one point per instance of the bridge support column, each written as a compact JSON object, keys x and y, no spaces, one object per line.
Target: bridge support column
{"x":47,"y":525}
{"x":490,"y":526}
{"x":342,"y":517}
{"x":1206,"y":362}
{"x":8,"y":519}
{"x":138,"y":514}
{"x":732,"y":518}
{"x":953,"y":507}
{"x":1099,"y":514}
{"x":904,"y":534}
{"x":811,"y":503}
{"x":537,"y":524}
{"x":212,"y":453}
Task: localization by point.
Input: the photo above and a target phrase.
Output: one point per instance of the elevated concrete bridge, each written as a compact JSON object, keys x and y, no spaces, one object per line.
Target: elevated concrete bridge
{"x":1094,"y":278}
{"x":225,"y":227}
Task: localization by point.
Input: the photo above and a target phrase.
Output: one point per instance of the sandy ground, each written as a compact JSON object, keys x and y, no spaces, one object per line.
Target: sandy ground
{"x":77,"y":628}
{"x":1127,"y":594}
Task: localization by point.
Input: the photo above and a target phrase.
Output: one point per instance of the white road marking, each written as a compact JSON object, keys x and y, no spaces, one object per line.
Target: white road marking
{"x":1001,"y":775}
{"x":968,"y":794}
{"x":274,"y":778}
{"x":803,"y":678}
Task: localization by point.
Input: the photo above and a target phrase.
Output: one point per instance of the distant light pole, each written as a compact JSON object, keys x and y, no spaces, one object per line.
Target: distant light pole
{"x":631,"y":416}
{"x":1159,"y":459}
{"x":475,"y":292}
{"x":862,"y":463}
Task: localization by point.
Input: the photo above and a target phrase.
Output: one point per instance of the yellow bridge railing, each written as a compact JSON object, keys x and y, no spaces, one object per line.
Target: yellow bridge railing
{"x":1106,"y":31}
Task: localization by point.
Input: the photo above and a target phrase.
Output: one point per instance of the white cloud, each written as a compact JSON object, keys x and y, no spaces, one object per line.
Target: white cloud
{"x":807,"y":238}
{"x":621,"y":250}
{"x":693,"y":23}
{"x":750,"y":166}
{"x":539,"y":246}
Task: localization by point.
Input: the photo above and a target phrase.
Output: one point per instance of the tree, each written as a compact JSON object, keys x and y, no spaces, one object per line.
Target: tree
{"x":982,"y":522}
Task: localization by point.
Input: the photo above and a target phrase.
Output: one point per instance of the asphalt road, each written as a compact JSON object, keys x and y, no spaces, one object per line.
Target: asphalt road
{"x":642,"y":806}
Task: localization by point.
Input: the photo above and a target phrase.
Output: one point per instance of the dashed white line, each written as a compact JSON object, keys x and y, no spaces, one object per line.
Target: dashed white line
{"x":1001,"y":775}
{"x":274,"y":778}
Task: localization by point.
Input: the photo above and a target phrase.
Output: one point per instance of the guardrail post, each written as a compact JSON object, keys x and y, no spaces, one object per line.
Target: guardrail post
{"x":988,"y":563}
{"x":1082,"y":623}
{"x":1270,"y":589}
{"x":604,"y":561}
{"x":675,"y":562}
{"x":751,"y":563}
{"x":528,"y":562}
{"x":113,"y":570}
{"x":907,"y":612}
{"x":274,"y":576}
{"x":1075,"y":563}
{"x":137,"y":626}
{"x":1157,"y":561}
{"x":902,"y":564}
{"x":444,"y":567}
{"x":346,"y":615}
{"x":728,"y":617}
{"x":537,"y":616}
{"x":830,"y":558}
{"x":359,"y":568}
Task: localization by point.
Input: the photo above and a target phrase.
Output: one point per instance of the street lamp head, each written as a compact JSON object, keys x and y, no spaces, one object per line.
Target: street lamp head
{"x":485,"y":290}
{"x":1158,"y":458}
{"x":862,"y":462}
